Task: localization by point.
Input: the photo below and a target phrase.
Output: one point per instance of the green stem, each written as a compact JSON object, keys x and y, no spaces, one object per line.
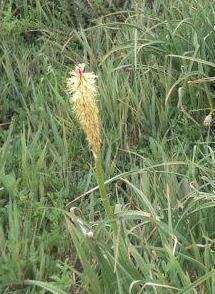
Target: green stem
{"x":103,"y":192}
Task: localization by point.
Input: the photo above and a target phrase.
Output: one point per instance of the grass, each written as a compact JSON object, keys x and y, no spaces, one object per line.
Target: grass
{"x":157,"y":155}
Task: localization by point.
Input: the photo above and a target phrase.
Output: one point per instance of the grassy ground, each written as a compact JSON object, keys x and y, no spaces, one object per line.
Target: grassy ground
{"x":155,"y":68}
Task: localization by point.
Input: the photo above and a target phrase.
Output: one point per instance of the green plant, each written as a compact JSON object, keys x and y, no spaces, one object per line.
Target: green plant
{"x":156,"y":87}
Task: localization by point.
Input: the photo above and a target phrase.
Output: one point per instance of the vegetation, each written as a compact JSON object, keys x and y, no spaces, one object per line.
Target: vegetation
{"x":155,"y":66}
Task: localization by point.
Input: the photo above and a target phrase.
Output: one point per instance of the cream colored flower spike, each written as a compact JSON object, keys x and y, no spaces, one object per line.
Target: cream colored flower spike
{"x":82,"y":87}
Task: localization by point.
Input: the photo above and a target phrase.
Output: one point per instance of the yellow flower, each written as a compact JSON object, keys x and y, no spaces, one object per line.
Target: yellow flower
{"x":82,"y":86}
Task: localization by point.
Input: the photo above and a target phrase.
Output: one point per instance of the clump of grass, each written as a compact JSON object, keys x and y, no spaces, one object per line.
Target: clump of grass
{"x":156,"y":87}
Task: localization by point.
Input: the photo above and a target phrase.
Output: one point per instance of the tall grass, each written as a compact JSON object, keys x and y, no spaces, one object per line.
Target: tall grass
{"x":156,"y":86}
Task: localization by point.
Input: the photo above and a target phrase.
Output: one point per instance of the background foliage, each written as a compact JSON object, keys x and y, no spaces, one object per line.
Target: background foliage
{"x":155,"y":67}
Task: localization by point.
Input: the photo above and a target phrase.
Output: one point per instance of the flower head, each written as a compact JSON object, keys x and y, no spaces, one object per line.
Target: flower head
{"x":207,"y":121}
{"x":82,"y":86}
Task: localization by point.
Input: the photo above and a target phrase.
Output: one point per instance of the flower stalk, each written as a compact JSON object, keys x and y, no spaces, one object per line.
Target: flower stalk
{"x":82,"y":86}
{"x":102,"y":189}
